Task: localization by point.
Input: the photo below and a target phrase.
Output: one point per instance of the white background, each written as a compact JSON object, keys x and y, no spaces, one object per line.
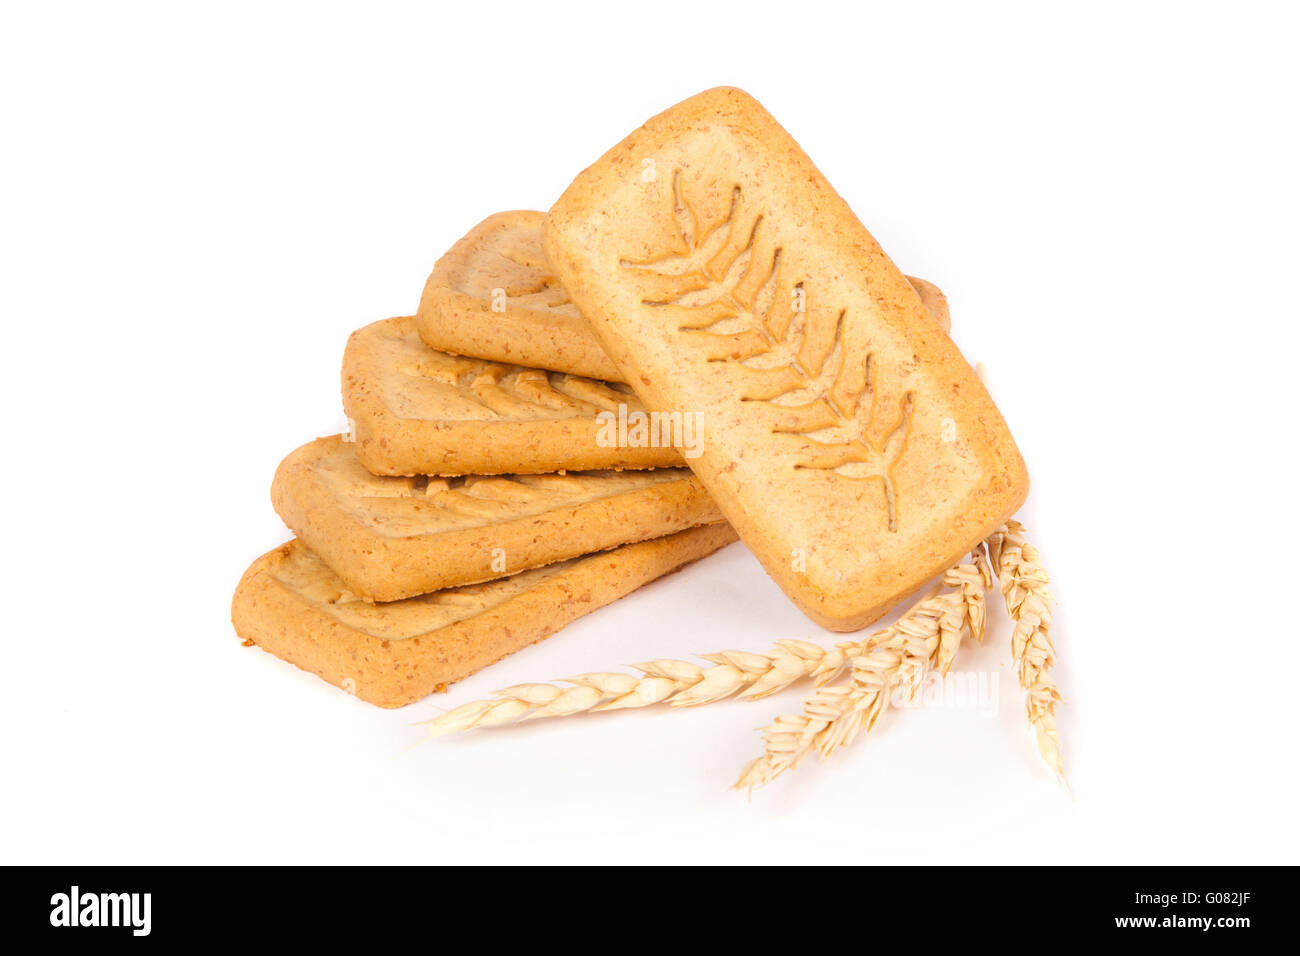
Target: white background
{"x":199,"y":206}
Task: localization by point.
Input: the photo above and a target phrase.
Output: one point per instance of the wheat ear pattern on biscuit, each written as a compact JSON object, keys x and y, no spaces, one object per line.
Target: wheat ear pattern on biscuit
{"x":850,"y":443}
{"x":729,"y":291}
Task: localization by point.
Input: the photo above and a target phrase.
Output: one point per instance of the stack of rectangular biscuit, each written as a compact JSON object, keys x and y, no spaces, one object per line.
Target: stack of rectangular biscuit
{"x":478,"y":504}
{"x":474,"y":512}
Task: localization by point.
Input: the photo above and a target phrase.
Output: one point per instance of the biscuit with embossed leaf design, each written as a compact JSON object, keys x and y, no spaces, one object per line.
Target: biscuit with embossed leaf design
{"x":849,"y":443}
{"x":494,"y":296}
{"x":418,"y":411}
{"x":393,"y":537}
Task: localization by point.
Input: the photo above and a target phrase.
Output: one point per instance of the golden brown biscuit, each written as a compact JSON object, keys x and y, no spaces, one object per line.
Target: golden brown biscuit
{"x":935,"y":302}
{"x":493,"y":296}
{"x":291,"y":604}
{"x":389,"y":538}
{"x":847,"y":440}
{"x":417,"y":411}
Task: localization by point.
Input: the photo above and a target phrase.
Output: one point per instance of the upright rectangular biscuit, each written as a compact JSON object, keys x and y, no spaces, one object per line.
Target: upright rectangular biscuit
{"x":291,"y":604}
{"x":418,"y":411}
{"x":846,"y":440}
{"x":494,"y":296}
{"x":389,"y":538}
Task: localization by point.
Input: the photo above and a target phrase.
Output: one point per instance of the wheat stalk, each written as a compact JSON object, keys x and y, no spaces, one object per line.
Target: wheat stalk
{"x":673,"y":682}
{"x":898,"y":657}
{"x":683,"y":684}
{"x":1023,"y":581}
{"x":923,"y":640}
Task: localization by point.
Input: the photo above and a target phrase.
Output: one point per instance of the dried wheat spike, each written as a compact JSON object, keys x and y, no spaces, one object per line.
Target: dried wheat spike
{"x":926,"y":637}
{"x":676,"y":683}
{"x":1023,"y":582}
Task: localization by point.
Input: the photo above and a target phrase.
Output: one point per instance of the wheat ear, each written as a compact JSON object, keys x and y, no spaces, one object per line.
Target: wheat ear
{"x":683,"y":684}
{"x":900,"y":656}
{"x":673,"y":682}
{"x":1023,"y":581}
